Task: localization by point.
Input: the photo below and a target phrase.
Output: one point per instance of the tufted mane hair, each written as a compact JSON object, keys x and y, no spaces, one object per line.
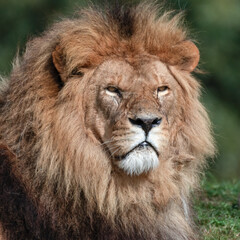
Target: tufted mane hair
{"x":63,"y":170}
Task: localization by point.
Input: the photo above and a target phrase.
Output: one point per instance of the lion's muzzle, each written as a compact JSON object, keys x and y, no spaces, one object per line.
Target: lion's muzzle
{"x":142,"y":158}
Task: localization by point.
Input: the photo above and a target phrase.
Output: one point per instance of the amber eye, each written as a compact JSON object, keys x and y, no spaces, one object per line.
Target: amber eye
{"x":162,"y":89}
{"x":113,"y":90}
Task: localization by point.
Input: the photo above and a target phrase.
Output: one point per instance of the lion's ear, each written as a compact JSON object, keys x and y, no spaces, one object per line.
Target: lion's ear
{"x":189,"y":55}
{"x":58,"y":59}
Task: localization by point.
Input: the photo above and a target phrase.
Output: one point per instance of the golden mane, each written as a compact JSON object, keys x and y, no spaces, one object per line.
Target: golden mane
{"x":63,"y":169}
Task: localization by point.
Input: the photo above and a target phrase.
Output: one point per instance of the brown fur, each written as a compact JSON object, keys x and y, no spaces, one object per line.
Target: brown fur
{"x":51,"y":120}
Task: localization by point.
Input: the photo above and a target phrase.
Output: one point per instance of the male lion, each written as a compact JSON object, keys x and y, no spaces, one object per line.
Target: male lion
{"x":102,"y":132}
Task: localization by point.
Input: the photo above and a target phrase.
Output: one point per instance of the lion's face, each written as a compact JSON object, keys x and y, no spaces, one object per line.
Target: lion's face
{"x":132,"y":113}
{"x":132,"y":104}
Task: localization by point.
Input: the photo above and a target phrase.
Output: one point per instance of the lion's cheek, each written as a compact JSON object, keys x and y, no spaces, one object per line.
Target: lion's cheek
{"x":94,"y":125}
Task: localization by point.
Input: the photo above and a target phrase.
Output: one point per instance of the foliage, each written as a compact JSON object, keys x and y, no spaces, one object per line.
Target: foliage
{"x":218,"y":210}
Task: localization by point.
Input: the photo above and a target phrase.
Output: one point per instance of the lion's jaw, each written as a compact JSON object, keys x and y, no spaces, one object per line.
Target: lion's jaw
{"x":139,"y":160}
{"x":125,"y":96}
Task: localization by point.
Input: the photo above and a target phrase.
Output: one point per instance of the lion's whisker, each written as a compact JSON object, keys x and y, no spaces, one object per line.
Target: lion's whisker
{"x":115,"y":151}
{"x":106,"y":142}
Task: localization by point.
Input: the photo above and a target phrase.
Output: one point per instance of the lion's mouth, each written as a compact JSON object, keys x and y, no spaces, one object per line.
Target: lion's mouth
{"x":141,"y":146}
{"x":142,"y":158}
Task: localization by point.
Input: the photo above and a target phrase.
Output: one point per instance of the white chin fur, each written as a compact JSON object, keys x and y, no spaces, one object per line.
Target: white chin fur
{"x":139,"y":161}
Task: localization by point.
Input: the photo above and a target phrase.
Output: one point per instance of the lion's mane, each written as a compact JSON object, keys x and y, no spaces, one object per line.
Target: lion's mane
{"x":64,"y":174}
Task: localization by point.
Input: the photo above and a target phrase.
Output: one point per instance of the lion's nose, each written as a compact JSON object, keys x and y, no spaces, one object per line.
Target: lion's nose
{"x":146,"y":123}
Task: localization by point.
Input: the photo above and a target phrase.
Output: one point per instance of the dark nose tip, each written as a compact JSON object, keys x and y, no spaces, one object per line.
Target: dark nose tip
{"x":146,"y":123}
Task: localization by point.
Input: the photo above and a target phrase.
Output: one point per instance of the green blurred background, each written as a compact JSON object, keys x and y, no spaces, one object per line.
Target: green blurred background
{"x":214,"y":23}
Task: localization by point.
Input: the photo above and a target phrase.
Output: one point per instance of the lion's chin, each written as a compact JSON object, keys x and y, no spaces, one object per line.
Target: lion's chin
{"x":138,"y":161}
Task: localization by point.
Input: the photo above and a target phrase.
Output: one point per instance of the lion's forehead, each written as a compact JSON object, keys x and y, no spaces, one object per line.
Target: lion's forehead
{"x":126,"y":75}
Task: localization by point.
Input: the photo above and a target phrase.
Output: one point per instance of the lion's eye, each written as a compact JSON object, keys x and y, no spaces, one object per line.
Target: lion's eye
{"x":77,"y":72}
{"x":162,"y":89}
{"x":111,"y":90}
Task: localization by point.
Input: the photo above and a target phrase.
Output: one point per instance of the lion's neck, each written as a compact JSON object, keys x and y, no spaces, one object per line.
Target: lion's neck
{"x":34,"y":211}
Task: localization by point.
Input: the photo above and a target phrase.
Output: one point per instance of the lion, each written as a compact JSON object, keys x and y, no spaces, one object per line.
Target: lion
{"x":102,"y":132}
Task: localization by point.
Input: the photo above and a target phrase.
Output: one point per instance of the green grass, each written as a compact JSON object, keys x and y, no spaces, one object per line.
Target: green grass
{"x":218,"y":210}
